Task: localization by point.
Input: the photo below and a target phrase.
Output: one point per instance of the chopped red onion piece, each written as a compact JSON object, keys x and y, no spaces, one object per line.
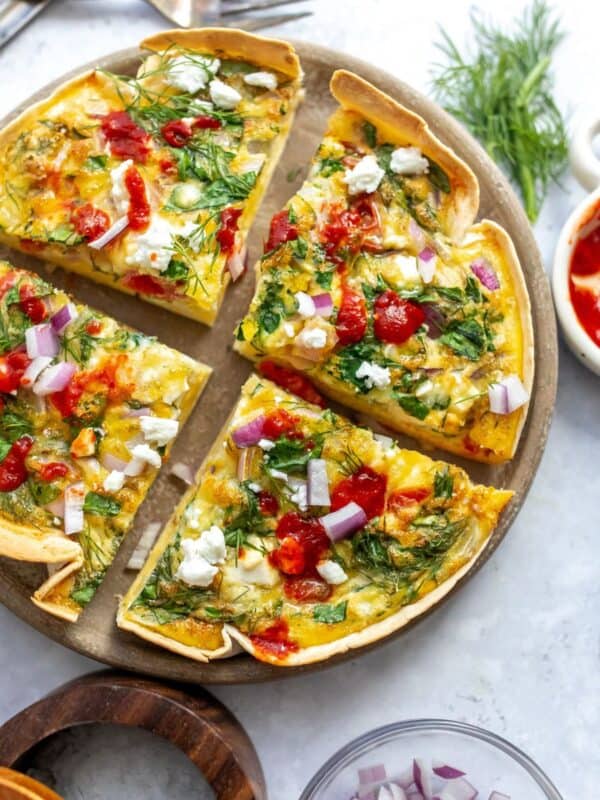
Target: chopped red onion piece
{"x":405,"y":779}
{"x":323,"y":304}
{"x":395,"y":792}
{"x":74,"y":499}
{"x":414,"y":796}
{"x":41,"y":340}
{"x":422,"y":778}
{"x":55,"y":378}
{"x":434,"y":319}
{"x":183,"y":471}
{"x":458,"y":789}
{"x":486,"y":275}
{"x":35,"y":368}
{"x":236,"y":264}
{"x":416,"y":234}
{"x":63,"y":317}
{"x":115,"y":229}
{"x":56,"y":507}
{"x":138,"y":412}
{"x":111,"y":462}
{"x":135,"y":467}
{"x":446,"y":772}
{"x":426,"y":262}
{"x":318,"y":483}
{"x":507,"y":395}
{"x":372,"y":774}
{"x":251,"y":433}
{"x":345,"y":521}
{"x":499,"y":796}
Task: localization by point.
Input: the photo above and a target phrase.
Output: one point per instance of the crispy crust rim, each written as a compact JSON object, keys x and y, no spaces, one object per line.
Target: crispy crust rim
{"x":234,"y":43}
{"x":401,"y":126}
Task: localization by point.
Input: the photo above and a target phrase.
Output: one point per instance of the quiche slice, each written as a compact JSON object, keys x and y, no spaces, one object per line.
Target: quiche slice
{"x":376,"y":284}
{"x":150,"y":184}
{"x":88,"y":412}
{"x":306,"y":536}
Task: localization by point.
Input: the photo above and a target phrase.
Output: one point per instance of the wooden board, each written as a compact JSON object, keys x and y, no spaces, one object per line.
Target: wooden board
{"x":96,"y":635}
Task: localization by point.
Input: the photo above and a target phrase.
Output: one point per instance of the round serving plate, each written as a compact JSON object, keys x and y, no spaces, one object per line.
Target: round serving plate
{"x":95,"y":634}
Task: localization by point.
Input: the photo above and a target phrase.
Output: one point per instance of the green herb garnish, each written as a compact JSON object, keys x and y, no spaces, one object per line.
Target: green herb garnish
{"x":95,"y":503}
{"x":330,"y":614}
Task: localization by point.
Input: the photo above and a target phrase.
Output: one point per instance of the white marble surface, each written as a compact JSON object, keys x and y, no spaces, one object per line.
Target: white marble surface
{"x":517,"y":650}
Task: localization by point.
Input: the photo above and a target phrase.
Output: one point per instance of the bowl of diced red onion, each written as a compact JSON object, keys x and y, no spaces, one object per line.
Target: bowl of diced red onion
{"x":430,"y":760}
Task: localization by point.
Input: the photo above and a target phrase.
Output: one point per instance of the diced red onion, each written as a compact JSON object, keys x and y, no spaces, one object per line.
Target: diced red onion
{"x":138,"y":412}
{"x":111,"y":462}
{"x":35,"y":368}
{"x":135,"y":467}
{"x":74,"y":499}
{"x":422,"y":778}
{"x":55,"y":378}
{"x":115,"y":229}
{"x":415,"y":796}
{"x":251,"y":433}
{"x":63,"y":317}
{"x":507,"y":395}
{"x":416,"y":234}
{"x":41,"y":340}
{"x":405,"y":779}
{"x":372,"y":774}
{"x":56,"y":507}
{"x":343,"y":522}
{"x":318,"y":483}
{"x":426,"y":261}
{"x":457,"y":789}
{"x":434,"y":319}
{"x":486,"y":275}
{"x":183,"y":471}
{"x":445,"y":771}
{"x":323,"y":304}
{"x":236,"y":264}
{"x":499,"y":796}
{"x":395,"y":792}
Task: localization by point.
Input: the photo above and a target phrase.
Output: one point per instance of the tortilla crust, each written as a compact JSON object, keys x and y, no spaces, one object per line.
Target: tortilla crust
{"x":401,"y":126}
{"x":231,"y":43}
{"x":26,"y":543}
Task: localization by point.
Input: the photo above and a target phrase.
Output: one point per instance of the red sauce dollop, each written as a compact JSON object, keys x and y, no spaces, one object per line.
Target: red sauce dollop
{"x":396,"y":319}
{"x":292,"y":381}
{"x":281,"y":231}
{"x":176,"y":132}
{"x":227,"y":231}
{"x":147,"y":284}
{"x":275,"y":640}
{"x":12,"y":367}
{"x":53,"y":470}
{"x":90,"y":222}
{"x":407,"y":497}
{"x":364,"y":487}
{"x":126,"y":139}
{"x":139,"y":207}
{"x":33,"y":306}
{"x":351,"y":324}
{"x":204,"y":122}
{"x":12,"y":469}
{"x":585,"y":263}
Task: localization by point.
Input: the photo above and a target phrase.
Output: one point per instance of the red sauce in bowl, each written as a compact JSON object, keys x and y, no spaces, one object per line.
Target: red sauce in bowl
{"x":584,"y":276}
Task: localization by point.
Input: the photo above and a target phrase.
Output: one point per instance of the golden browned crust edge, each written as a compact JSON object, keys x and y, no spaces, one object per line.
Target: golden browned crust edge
{"x":26,"y":543}
{"x":401,"y":126}
{"x":232,"y":43}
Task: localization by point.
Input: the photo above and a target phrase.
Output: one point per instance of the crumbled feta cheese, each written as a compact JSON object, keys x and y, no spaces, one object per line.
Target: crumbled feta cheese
{"x":200,"y":107}
{"x":254,"y":568}
{"x":119,"y":192}
{"x":365,"y":176}
{"x":265,"y":79}
{"x":255,"y":487}
{"x":266,"y":444}
{"x":424,"y":388}
{"x":331,"y":572}
{"x":278,"y":474}
{"x":223,"y":95}
{"x":211,"y":545}
{"x":374,"y":375}
{"x":408,"y":161}
{"x":313,"y":338}
{"x":299,"y":494}
{"x":306,"y":305}
{"x":145,"y":453}
{"x":195,"y":570}
{"x":288,"y":329}
{"x":159,"y":430}
{"x":114,"y":481}
{"x":153,"y":247}
{"x":191,"y":73}
{"x":406,"y":267}
{"x":193,"y":517}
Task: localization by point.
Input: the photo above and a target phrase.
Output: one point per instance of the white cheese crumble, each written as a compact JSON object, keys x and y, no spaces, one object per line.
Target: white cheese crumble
{"x":254,"y":568}
{"x":118,"y":192}
{"x":266,"y":444}
{"x":114,"y":481}
{"x":255,"y":487}
{"x":190,"y":74}
{"x":299,"y":494}
{"x":223,"y":95}
{"x":374,"y":375}
{"x":265,"y":79}
{"x":153,"y":247}
{"x":408,"y":161}
{"x":195,"y":570}
{"x":332,"y":572}
{"x":278,"y":474}
{"x":313,"y":338}
{"x":159,"y":430}
{"x":364,"y":177}
{"x":211,"y":545}
{"x":145,"y":453}
{"x":306,"y":305}
{"x":288,"y":329}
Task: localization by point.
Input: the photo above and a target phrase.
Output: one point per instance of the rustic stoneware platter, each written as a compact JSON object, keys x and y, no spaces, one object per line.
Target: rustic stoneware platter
{"x":95,"y":634}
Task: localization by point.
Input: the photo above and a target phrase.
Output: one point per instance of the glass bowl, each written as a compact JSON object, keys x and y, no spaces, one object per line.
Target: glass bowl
{"x":490,"y":762}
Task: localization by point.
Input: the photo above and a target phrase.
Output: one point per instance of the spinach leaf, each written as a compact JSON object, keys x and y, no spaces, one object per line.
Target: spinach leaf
{"x":443,"y":484}
{"x":95,"y":163}
{"x":413,"y":406}
{"x":95,"y":503}
{"x":4,"y":448}
{"x":289,"y":455}
{"x":370,"y":134}
{"x":299,"y":248}
{"x":330,"y":614}
{"x":42,"y":492}
{"x":13,"y":426}
{"x":466,"y":337}
{"x":329,"y":166}
{"x":324,"y":278}
{"x":177,"y":270}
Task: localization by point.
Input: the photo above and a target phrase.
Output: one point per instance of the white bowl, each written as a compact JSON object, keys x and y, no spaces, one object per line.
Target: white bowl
{"x":586,"y":167}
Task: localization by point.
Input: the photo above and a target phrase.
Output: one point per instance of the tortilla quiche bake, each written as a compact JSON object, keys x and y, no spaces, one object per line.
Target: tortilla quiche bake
{"x":377,"y":285}
{"x":150,"y":184}
{"x":89,"y":410}
{"x":305,"y":536}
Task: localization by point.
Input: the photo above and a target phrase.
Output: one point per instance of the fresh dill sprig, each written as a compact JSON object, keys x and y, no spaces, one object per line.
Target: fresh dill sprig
{"x":503,"y":92}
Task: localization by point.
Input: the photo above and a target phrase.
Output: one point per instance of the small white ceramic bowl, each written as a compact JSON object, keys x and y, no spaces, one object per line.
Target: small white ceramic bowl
{"x":586,"y":168}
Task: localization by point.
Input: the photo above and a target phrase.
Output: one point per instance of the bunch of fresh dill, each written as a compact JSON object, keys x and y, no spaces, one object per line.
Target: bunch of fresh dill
{"x":502,"y":92}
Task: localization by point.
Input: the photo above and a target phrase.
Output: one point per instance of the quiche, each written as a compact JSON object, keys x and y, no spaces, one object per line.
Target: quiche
{"x":150,"y":184}
{"x":305,"y":536}
{"x":88,"y":412}
{"x":377,"y":286}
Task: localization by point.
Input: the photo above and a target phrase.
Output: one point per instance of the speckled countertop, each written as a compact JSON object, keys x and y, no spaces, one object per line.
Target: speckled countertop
{"x":517,"y":650}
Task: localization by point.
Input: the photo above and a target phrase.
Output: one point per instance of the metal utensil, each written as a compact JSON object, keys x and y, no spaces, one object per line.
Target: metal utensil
{"x":15,"y":14}
{"x":195,"y":13}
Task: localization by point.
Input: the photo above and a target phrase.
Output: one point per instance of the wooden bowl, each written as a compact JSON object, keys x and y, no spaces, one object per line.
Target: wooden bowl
{"x":194,"y":721}
{"x":95,"y":634}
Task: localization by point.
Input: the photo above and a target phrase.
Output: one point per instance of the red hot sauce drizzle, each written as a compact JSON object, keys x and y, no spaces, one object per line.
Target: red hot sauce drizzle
{"x":584,"y":278}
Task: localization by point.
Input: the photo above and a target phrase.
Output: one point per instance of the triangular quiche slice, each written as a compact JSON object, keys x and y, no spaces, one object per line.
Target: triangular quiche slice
{"x":150,"y":184}
{"x":305,"y":536}
{"x":88,"y":412}
{"x":377,"y":285}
